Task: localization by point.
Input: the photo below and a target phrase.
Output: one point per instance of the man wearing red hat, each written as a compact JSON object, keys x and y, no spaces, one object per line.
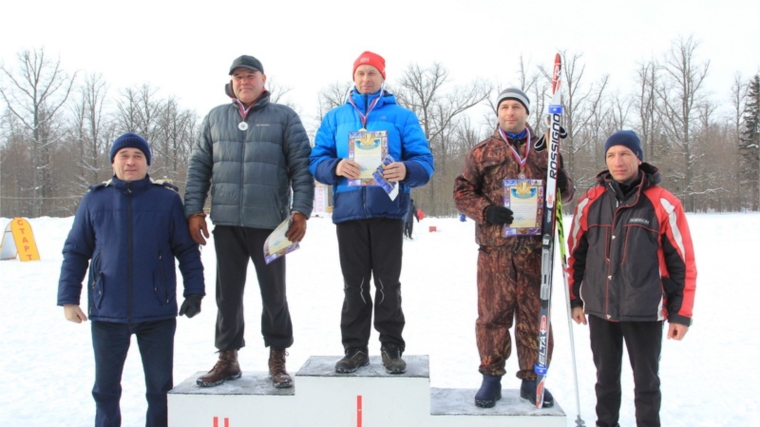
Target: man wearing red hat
{"x":369,"y":222}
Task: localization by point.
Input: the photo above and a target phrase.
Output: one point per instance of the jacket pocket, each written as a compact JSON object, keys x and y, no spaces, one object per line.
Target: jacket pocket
{"x":159,"y":283}
{"x":97,"y":282}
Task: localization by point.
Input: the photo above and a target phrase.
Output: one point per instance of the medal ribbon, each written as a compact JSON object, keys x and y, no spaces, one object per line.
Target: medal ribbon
{"x":363,"y":117}
{"x":241,"y":107}
{"x":519,"y":160}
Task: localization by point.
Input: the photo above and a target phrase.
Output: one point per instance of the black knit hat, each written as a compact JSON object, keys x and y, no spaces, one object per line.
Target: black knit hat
{"x":131,"y":140}
{"x":627,"y":138}
{"x":246,"y":61}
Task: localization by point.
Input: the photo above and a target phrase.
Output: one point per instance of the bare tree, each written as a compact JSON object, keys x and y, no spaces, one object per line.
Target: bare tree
{"x":681,"y":93}
{"x":176,"y":134}
{"x":36,"y":94}
{"x":138,"y":111}
{"x":278,"y":93}
{"x":439,"y":108}
{"x":749,"y":143}
{"x":646,"y":100}
{"x":92,"y":131}
{"x":586,"y":111}
{"x":332,"y":96}
{"x":528,"y":83}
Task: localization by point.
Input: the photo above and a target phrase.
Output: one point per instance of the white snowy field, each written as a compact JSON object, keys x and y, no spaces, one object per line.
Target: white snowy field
{"x":709,"y":379}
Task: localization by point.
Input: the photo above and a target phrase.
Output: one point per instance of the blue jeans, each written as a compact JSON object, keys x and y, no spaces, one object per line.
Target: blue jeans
{"x":111,"y":343}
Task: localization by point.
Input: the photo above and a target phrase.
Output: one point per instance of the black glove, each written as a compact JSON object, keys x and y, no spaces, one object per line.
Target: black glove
{"x":561,"y":181}
{"x":541,"y":143}
{"x":191,"y":306}
{"x":499,"y":215}
{"x":562,"y":133}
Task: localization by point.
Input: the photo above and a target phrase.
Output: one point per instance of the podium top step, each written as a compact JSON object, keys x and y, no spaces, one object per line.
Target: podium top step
{"x":251,"y":383}
{"x":324,"y":366}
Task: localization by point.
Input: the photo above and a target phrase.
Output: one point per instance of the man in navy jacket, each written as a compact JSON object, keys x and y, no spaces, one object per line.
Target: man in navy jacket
{"x":129,"y":230}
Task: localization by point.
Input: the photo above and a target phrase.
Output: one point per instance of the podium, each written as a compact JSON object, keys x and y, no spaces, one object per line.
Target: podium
{"x":369,"y":397}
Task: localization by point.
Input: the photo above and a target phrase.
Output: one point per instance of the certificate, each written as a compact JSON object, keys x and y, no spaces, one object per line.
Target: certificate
{"x":277,"y":244}
{"x":525,"y":198}
{"x":390,"y":187}
{"x":368,"y":149}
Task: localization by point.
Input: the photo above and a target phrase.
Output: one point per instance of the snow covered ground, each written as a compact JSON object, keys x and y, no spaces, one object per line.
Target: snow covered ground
{"x":46,"y":363}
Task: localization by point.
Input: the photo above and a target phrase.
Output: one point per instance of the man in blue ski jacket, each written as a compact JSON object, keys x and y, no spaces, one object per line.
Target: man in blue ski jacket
{"x":370,"y":223}
{"x":129,"y":230}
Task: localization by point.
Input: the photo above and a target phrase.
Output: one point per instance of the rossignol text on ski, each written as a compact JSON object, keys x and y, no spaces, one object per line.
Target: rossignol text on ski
{"x":548,"y":231}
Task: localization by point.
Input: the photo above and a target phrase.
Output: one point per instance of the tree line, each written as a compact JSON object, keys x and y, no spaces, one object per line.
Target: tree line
{"x":56,"y":128}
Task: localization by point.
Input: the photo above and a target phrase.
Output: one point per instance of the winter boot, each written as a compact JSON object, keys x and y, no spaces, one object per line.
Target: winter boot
{"x":392,"y":360}
{"x":226,"y":368}
{"x":489,"y":393}
{"x":528,"y":391}
{"x":354,"y":359}
{"x":278,"y":374}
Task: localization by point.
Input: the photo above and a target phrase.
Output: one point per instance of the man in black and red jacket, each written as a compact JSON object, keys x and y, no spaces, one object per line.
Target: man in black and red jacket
{"x":631,"y":268}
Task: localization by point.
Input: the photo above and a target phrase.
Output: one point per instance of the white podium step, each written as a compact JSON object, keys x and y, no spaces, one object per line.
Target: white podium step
{"x":248,"y":401}
{"x":368,"y":397}
{"x":455,"y":407}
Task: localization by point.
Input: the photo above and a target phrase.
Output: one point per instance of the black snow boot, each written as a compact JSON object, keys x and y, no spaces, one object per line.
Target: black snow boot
{"x":392,"y":360}
{"x":354,"y":359}
{"x":489,"y":393}
{"x":528,"y":392}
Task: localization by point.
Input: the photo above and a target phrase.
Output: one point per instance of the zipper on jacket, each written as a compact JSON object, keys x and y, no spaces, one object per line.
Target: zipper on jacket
{"x":130,"y":255}
{"x":241,"y":202}
{"x":618,"y":207}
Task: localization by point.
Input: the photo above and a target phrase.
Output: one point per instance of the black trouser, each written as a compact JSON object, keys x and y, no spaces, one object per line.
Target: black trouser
{"x":110,"y":342}
{"x":643,"y":340}
{"x":371,"y":248}
{"x":234,"y":247}
{"x":408,"y":226}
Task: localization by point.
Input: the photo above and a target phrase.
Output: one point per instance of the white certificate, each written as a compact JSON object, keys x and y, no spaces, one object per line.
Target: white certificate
{"x":525,"y":198}
{"x":277,"y":245}
{"x":368,"y":149}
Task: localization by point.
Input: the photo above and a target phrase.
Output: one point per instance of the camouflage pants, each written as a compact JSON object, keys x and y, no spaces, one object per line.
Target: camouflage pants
{"x":508,"y":291}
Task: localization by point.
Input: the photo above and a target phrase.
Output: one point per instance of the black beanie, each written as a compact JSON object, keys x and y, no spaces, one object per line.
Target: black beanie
{"x":131,"y":140}
{"x":627,"y":138}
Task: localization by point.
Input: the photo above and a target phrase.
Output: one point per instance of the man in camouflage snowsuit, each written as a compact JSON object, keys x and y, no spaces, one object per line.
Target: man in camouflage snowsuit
{"x":509,"y":267}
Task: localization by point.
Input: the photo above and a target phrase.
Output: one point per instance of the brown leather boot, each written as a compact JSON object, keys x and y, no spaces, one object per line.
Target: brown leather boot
{"x":277,"y":372}
{"x":226,"y":368}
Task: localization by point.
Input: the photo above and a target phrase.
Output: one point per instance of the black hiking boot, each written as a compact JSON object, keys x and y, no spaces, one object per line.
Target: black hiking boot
{"x":392,"y":360}
{"x":528,"y":392}
{"x":354,"y":359}
{"x":489,"y":393}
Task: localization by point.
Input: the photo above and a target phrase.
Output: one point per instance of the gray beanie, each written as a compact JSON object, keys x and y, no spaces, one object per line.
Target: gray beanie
{"x":514,"y":93}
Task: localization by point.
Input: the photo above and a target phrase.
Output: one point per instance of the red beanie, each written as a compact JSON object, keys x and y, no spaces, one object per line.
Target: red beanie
{"x":373,"y":59}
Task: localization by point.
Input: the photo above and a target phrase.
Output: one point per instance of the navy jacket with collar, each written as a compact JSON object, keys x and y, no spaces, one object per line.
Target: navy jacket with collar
{"x":130,"y":233}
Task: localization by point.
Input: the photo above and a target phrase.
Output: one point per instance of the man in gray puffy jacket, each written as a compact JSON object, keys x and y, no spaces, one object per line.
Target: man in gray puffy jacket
{"x":250,"y":153}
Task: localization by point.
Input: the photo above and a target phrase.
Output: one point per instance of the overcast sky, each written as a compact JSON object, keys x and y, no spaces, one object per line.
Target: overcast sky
{"x":185,"y":48}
